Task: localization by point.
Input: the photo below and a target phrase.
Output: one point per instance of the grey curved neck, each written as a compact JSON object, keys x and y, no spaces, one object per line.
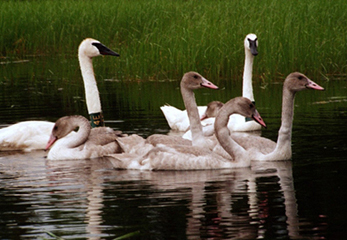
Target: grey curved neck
{"x":285,"y":132}
{"x":223,"y":133}
{"x":193,"y":114}
{"x":81,"y":135}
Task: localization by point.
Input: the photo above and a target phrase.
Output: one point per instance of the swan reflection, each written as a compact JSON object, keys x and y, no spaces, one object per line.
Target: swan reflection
{"x":90,"y":198}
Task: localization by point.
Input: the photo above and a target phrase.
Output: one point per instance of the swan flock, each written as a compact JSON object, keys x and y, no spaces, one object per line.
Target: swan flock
{"x":215,"y":135}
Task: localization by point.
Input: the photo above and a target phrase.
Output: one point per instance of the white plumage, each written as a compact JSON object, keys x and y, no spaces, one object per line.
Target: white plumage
{"x":31,"y":135}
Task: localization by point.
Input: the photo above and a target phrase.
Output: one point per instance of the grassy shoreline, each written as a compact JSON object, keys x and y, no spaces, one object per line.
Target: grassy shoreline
{"x":163,"y":39}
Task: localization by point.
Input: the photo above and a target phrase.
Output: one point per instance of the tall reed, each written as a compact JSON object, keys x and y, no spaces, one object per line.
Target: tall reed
{"x":162,"y":39}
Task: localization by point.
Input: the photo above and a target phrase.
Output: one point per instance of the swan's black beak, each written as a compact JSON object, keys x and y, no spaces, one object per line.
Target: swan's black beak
{"x":256,"y":116}
{"x":105,"y":50}
{"x":253,"y":46}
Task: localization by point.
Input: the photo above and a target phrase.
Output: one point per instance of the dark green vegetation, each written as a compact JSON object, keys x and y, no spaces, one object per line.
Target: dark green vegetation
{"x":162,"y":39}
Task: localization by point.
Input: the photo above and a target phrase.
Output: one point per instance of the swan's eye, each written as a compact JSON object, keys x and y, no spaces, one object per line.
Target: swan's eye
{"x":196,"y":76}
{"x":55,"y":128}
{"x":251,"y":105}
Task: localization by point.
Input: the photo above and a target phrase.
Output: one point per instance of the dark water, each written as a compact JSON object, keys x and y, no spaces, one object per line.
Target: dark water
{"x":304,"y":198}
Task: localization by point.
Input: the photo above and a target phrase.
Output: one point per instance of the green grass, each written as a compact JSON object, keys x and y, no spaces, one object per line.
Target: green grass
{"x":162,"y":39}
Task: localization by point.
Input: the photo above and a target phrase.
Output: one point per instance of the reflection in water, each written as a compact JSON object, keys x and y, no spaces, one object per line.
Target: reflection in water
{"x":276,"y":200}
{"x":88,"y":199}
{"x":54,"y":195}
{"x":89,"y":176}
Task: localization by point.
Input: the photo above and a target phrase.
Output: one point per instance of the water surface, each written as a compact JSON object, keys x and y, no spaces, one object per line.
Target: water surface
{"x":86,"y":199}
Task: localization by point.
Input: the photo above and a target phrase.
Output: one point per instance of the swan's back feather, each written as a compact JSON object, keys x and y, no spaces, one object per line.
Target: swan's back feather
{"x":174,"y":158}
{"x":134,"y":144}
{"x":27,"y":136}
{"x":156,"y":139}
{"x":257,"y":143}
{"x":103,"y":135}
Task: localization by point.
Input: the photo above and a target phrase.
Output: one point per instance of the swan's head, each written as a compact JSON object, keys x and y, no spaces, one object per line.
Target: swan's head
{"x":63,"y":126}
{"x":212,"y":109}
{"x":193,"y":80}
{"x":297,"y":81}
{"x":92,"y":48}
{"x":251,"y":43}
{"x":244,"y":107}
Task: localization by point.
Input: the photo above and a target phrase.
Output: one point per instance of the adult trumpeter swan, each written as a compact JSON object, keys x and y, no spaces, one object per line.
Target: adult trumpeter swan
{"x":30,"y":135}
{"x":86,"y":143}
{"x":196,"y":157}
{"x":178,"y":119}
{"x":88,"y":49}
{"x":264,"y":149}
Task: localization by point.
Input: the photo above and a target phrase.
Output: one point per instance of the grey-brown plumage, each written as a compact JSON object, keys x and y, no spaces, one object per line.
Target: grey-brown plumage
{"x":186,"y":157}
{"x":261,"y":148}
{"x":85,"y":143}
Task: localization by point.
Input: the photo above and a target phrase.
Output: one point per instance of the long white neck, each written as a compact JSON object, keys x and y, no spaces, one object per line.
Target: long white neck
{"x":284,"y":139}
{"x":90,"y":86}
{"x":82,"y":134}
{"x":247,"y":88}
{"x":198,"y":138}
{"x":237,"y":152}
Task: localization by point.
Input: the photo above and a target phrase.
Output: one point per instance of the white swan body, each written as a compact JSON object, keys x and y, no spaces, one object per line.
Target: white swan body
{"x":177,"y":118}
{"x":26,"y":136}
{"x":84,"y":144}
{"x":264,"y":149}
{"x":195,"y":157}
{"x":33,"y":135}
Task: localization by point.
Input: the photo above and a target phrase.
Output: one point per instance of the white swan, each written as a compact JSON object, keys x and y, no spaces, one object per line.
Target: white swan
{"x":196,"y":157}
{"x":178,"y":119}
{"x":88,"y":49}
{"x":31,"y":135}
{"x":237,"y":122}
{"x":264,"y":149}
{"x":86,"y":143}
